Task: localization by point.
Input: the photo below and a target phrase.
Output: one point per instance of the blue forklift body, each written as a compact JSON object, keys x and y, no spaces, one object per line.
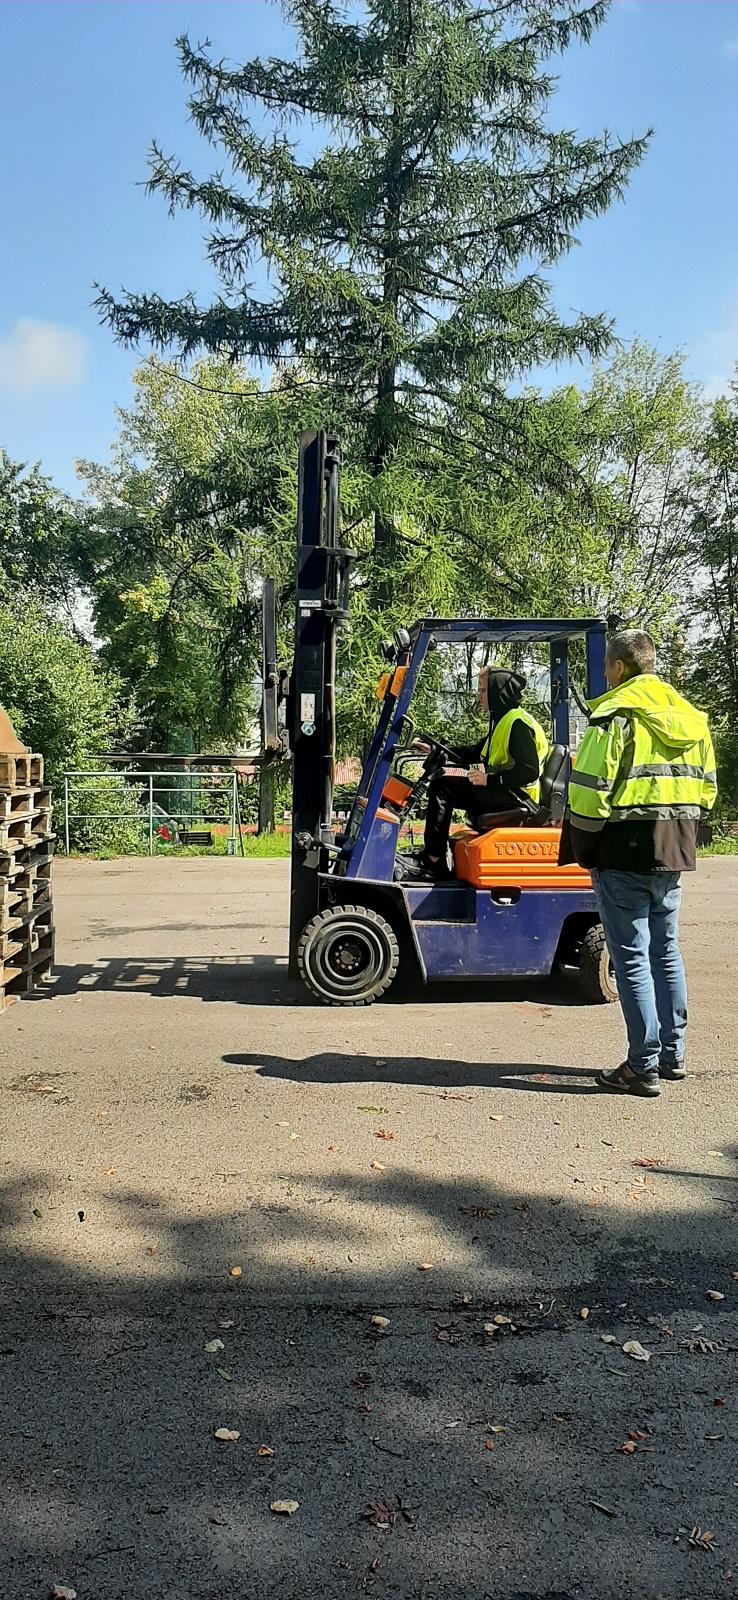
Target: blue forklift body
{"x":356,"y":913}
{"x":457,"y":931}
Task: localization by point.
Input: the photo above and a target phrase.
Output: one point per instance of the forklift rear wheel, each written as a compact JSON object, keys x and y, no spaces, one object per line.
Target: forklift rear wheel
{"x":348,"y":956}
{"x":596,"y":971}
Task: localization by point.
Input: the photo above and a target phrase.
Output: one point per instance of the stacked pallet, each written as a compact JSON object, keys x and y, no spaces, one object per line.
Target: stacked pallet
{"x":26,"y":850}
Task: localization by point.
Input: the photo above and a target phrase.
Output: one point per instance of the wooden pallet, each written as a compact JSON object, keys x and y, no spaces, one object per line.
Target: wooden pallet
{"x":19,"y":980}
{"x":17,"y":772}
{"x":23,"y":907}
{"x":32,"y":934}
{"x":30,"y":880}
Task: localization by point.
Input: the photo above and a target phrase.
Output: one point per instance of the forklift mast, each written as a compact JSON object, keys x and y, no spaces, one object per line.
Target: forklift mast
{"x":321,"y":607}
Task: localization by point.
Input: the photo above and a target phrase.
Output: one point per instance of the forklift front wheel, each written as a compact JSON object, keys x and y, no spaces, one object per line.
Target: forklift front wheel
{"x":596,"y":972}
{"x":348,"y":956}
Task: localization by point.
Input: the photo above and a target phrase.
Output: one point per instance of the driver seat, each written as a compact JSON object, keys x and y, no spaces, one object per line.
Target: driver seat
{"x":529,"y":813}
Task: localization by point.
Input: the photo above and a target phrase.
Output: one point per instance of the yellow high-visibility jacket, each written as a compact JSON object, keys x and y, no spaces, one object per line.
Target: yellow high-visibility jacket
{"x":644,"y":775}
{"x":495,"y":752}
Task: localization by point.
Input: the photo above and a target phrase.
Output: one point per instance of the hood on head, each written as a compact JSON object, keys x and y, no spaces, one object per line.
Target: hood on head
{"x":504,"y":691}
{"x":669,"y":717}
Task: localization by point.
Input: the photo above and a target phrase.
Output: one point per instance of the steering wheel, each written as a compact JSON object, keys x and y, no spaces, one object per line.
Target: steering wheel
{"x":438,"y":749}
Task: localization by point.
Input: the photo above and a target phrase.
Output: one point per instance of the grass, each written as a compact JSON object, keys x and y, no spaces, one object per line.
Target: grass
{"x":266,"y":848}
{"x":727,"y":845}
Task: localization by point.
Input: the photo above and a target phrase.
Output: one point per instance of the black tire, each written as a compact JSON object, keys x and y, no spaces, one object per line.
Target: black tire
{"x":596,"y":973}
{"x":348,"y":956}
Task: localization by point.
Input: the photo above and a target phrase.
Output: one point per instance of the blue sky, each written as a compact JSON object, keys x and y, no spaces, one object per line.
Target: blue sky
{"x":86,"y":84}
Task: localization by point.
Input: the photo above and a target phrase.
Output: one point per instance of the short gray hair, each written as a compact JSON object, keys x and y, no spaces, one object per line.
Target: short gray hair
{"x":635,"y":649}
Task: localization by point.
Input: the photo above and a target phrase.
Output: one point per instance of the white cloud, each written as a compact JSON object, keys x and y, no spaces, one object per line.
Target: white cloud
{"x":718,"y":355}
{"x":730,"y":48}
{"x":41,"y":355}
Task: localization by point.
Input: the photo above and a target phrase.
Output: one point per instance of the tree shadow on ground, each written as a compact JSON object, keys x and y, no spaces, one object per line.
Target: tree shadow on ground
{"x":115,"y":1484}
{"x":262,"y":980}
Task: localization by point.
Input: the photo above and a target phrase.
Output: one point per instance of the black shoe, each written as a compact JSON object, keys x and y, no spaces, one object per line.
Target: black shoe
{"x":675,"y":1071}
{"x":629,"y":1082}
{"x":422,"y":870}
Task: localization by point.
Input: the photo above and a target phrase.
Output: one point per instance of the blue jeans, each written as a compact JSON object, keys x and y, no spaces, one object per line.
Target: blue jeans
{"x":640,"y":916}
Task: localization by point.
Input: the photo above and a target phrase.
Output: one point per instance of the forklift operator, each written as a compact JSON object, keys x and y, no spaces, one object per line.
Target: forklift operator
{"x":510,"y":760}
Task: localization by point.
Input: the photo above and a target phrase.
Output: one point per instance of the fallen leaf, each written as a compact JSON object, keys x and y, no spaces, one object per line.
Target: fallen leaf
{"x":702,"y":1541}
{"x":445,"y":1335}
{"x":502,"y":1322}
{"x":234,"y":1272}
{"x":635,"y":1433}
{"x":384,"y":1133}
{"x":213,"y":1346}
{"x":225,"y":1322}
{"x":598,"y":1506}
{"x":265,"y":1450}
{"x":489,"y":1444}
{"x":714,"y":1294}
{"x":108,"y":1172}
{"x":608,"y":1338}
{"x":720,"y":1153}
{"x":652,"y":1162}
{"x":37,"y":1213}
{"x":216,"y":1518}
{"x":446,"y":1094}
{"x":734,"y":1275}
{"x":365,"y":1409}
{"x":380,"y":1514}
{"x":284,"y":1124}
{"x":60,"y":1591}
{"x":224,"y":1373}
{"x":293,"y":1136}
{"x":44,"y":1088}
{"x":497,"y":1428}
{"x":377,"y":1166}
{"x":285,"y":1508}
{"x":362,"y":1380}
{"x":229,"y":1435}
{"x":373,"y":1111}
{"x":634,"y":1348}
{"x":380,"y":1322}
{"x":704,"y":1347}
{"x":584,"y":1313}
{"x":497,"y":1117}
{"x":151,"y":1249}
{"x":542,"y":1077}
{"x":483,"y":1213}
{"x":425,"y":1266}
{"x":490,"y":1328}
{"x":627,"y":1449}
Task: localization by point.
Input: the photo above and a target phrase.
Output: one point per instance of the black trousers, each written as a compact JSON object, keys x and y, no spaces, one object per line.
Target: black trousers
{"x":447,"y":795}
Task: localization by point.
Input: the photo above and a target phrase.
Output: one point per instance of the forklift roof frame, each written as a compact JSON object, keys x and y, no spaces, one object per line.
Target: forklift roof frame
{"x":395,"y":706}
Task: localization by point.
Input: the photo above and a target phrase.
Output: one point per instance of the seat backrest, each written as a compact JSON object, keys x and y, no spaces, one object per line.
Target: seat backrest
{"x":554,"y":782}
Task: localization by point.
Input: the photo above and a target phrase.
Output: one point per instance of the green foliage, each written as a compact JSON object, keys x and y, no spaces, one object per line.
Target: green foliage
{"x":183,"y":527}
{"x":407,"y":255}
{"x":712,"y":503}
{"x":38,"y":539}
{"x":59,"y":700}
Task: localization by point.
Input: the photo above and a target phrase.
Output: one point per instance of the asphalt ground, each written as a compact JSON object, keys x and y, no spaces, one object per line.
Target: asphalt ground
{"x":174,"y":1109}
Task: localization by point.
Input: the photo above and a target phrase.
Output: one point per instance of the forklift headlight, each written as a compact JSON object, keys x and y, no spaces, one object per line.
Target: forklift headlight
{"x":402,"y":639}
{"x":388,"y":649}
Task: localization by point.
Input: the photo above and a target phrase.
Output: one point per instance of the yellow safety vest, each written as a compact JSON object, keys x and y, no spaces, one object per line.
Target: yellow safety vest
{"x":646,"y":755}
{"x":496,"y":748}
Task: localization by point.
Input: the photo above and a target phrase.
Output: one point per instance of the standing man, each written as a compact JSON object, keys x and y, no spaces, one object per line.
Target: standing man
{"x":510,"y":759}
{"x":644,"y":775}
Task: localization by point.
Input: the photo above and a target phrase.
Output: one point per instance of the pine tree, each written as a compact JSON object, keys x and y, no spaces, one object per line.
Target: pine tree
{"x":406,"y":259}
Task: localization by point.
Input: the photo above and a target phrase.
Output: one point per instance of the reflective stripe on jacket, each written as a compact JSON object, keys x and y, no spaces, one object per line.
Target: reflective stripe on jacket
{"x":496,"y":749}
{"x":647,"y":755}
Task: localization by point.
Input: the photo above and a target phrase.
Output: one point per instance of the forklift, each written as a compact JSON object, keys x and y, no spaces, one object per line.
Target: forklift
{"x":357,"y":919}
